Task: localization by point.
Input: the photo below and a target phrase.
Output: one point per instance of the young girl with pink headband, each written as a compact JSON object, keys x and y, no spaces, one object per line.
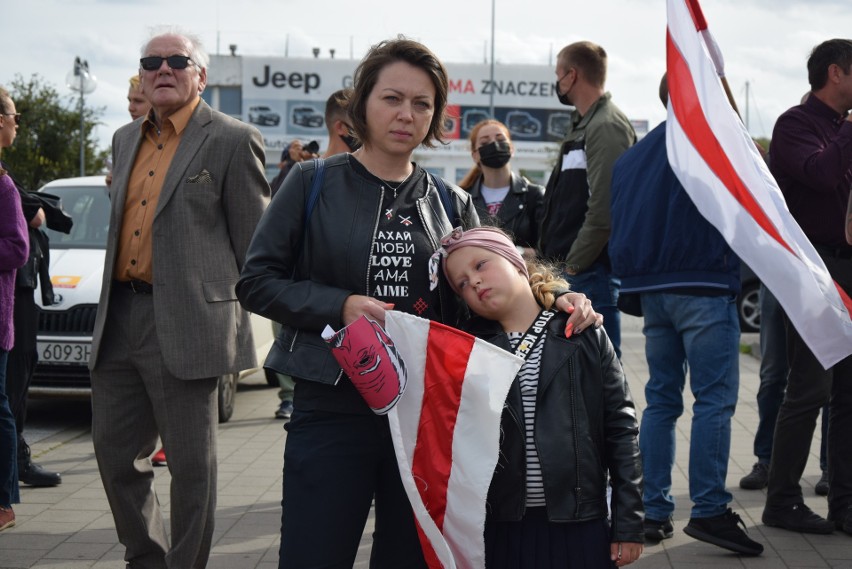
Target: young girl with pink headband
{"x":568,"y":424}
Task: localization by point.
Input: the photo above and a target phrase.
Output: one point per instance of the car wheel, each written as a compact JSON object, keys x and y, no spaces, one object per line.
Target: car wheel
{"x":748,"y":308}
{"x":227,"y":395}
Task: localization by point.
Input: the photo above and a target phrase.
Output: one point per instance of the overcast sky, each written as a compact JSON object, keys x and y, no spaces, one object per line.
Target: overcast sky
{"x":764,"y":42}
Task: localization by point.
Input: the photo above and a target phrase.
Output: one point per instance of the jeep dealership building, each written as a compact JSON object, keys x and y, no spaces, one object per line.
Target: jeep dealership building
{"x":285,"y":99}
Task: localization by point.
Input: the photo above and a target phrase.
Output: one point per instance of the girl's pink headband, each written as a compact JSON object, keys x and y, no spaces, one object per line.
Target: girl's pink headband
{"x":488,"y":238}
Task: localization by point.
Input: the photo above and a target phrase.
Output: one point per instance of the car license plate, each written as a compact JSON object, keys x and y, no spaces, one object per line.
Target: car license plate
{"x":64,"y":352}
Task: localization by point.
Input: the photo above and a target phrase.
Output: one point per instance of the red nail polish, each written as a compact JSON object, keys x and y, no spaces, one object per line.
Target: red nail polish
{"x":569,"y":330}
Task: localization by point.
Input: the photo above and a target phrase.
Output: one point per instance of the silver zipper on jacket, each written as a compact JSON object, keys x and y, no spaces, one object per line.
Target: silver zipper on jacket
{"x":432,"y":239}
{"x":373,"y":238}
{"x":572,"y":383}
{"x":522,"y":505}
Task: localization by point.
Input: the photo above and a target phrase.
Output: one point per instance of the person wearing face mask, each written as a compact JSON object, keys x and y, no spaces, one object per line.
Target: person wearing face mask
{"x":576,"y":224}
{"x":340,"y":137}
{"x":501,"y":197}
{"x":340,"y":140}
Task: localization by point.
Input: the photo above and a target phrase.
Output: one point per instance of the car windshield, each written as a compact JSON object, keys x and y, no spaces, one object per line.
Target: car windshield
{"x":88,"y":206}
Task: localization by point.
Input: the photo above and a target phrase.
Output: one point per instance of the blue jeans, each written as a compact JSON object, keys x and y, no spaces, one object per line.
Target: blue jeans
{"x":8,"y":444}
{"x":773,"y":379}
{"x":599,"y":284}
{"x":701,"y":332}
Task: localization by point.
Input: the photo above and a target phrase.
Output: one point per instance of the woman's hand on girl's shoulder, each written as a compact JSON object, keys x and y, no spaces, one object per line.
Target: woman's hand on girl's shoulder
{"x":582,"y":314}
{"x":625,"y":552}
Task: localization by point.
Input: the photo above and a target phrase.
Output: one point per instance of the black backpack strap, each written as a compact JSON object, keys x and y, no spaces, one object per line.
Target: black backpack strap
{"x":444,"y":194}
{"x":316,"y":187}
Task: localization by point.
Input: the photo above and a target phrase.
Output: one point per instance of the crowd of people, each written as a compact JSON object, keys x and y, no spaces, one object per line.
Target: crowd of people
{"x":198,"y":238}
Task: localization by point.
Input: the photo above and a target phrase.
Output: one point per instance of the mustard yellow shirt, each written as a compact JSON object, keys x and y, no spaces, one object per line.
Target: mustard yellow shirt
{"x":155,"y":155}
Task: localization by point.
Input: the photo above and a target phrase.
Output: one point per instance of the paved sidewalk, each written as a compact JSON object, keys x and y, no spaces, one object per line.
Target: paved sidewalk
{"x":70,"y":526}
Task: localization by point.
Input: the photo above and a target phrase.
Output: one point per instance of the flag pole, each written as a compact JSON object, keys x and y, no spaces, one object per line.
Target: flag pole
{"x":730,"y":95}
{"x":715,"y":53}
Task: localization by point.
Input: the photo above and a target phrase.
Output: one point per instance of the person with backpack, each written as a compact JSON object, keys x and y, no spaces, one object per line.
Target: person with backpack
{"x":347,"y":237}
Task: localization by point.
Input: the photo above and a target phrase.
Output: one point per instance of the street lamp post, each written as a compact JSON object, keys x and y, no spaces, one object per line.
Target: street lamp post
{"x":491,"y":96}
{"x":81,"y":81}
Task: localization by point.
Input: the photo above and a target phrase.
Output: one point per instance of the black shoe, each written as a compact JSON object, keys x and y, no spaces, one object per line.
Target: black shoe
{"x":842,"y":521}
{"x":724,"y":531}
{"x":656,"y":531}
{"x":797,"y":517}
{"x":34,"y":475}
{"x":757,"y":479}
{"x":31,"y":473}
{"x":821,"y":487}
{"x":284,"y":410}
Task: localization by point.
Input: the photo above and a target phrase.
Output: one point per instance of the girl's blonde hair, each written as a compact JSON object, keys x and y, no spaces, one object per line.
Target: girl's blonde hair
{"x":544,"y":282}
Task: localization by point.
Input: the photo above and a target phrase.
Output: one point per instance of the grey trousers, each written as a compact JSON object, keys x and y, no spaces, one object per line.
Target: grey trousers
{"x":135,"y":398}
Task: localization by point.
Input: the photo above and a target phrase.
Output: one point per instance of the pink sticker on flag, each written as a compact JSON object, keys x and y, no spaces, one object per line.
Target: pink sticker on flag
{"x":370,"y":360}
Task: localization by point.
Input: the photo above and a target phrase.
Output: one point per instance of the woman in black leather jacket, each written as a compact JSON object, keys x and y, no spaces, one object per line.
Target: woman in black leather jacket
{"x":569,"y":421}
{"x":359,"y":250}
{"x":502,"y":198}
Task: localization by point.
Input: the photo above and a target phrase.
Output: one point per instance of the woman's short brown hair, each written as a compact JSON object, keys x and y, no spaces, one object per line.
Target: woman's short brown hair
{"x":367,"y":74}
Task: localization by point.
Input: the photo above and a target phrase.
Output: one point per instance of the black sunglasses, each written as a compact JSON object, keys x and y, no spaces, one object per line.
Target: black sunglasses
{"x":16,"y":115}
{"x":153,"y":62}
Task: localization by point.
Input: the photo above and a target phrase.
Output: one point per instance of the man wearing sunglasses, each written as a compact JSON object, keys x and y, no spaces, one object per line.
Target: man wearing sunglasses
{"x":188,"y":190}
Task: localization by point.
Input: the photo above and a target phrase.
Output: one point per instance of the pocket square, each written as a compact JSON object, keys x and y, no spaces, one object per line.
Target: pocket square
{"x":203,"y":177}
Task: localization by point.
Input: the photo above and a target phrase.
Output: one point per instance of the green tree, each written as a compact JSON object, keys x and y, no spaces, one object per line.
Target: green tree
{"x":48,"y":143}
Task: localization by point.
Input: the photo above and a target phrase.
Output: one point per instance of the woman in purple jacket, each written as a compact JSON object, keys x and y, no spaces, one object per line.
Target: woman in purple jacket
{"x":14,"y":251}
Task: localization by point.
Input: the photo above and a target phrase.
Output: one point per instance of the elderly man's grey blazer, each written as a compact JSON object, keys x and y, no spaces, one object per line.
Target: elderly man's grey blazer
{"x":212,"y":198}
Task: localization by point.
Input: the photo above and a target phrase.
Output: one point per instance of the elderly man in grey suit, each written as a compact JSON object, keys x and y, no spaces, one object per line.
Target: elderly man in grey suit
{"x":188,"y":189}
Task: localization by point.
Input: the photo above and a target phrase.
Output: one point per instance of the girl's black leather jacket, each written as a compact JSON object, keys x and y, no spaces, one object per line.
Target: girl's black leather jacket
{"x":585,"y":428}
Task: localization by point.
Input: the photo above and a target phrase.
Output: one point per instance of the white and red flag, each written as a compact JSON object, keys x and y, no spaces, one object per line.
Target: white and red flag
{"x":446,"y":433}
{"x":720,"y":168}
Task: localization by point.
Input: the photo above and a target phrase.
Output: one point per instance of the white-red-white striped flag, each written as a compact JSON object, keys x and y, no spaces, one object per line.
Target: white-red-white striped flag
{"x":718,"y":165}
{"x":446,"y":433}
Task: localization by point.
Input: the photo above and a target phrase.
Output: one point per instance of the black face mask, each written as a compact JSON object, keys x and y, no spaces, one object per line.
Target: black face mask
{"x":495,"y":154}
{"x":350,"y":141}
{"x":563,"y":97}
